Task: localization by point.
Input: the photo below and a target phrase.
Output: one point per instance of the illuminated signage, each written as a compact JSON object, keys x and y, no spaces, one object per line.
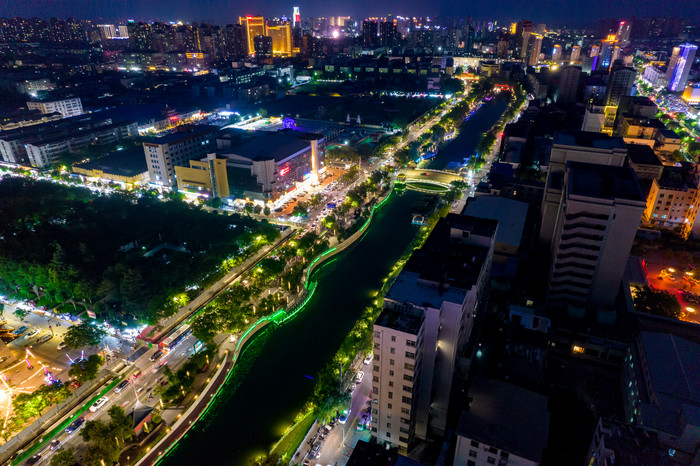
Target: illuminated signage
{"x":284,"y":171}
{"x":307,"y":176}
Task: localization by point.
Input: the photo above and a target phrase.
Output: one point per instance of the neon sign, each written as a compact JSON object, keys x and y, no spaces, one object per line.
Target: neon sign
{"x":284,"y":171}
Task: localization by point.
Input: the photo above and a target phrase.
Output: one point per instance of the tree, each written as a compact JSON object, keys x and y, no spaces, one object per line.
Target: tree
{"x":84,"y":334}
{"x":266,"y":210}
{"x":657,"y":302}
{"x":263,"y":112}
{"x":106,"y":439}
{"x":133,"y":290}
{"x":64,"y":457}
{"x":215,"y":203}
{"x":257,"y":209}
{"x":29,"y":405}
{"x":87,"y":369}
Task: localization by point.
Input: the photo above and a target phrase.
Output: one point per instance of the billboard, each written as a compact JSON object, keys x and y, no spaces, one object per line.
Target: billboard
{"x":296,"y":17}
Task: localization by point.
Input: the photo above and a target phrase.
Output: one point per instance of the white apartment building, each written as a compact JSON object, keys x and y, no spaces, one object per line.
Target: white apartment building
{"x":421,"y":336}
{"x":66,"y":107}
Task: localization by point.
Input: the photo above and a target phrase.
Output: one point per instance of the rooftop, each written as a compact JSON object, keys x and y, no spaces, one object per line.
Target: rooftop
{"x":510,"y":215}
{"x":674,"y":365}
{"x":128,"y":162}
{"x":400,"y":320}
{"x":642,"y":154}
{"x":277,"y":145}
{"x":588,"y":139}
{"x":680,"y":177}
{"x":507,"y":417}
{"x":182,"y":133}
{"x":604,"y":182}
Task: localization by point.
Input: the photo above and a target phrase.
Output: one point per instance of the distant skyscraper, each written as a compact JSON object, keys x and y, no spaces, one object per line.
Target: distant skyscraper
{"x":607,"y":50}
{"x":296,"y":17}
{"x":370,"y":34}
{"x":623,"y":33}
{"x":253,"y":26}
{"x":569,"y":77}
{"x":575,"y":53}
{"x":557,"y":53}
{"x":123,"y":32}
{"x":595,"y":50}
{"x":107,"y":31}
{"x":679,"y":66}
{"x":262,"y":46}
{"x":620,"y":83}
{"x":522,"y":35}
{"x":534,"y":48}
{"x":388,"y":35}
{"x":281,"y":35}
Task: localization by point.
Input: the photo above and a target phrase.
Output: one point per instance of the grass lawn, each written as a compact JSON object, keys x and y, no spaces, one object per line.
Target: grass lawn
{"x":289,"y":443}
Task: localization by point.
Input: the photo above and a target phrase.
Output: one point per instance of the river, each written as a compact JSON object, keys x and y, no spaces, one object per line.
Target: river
{"x":274,"y":376}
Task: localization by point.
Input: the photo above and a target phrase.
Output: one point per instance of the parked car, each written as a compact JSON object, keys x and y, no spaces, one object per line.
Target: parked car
{"x":61,"y":345}
{"x":358,"y":378}
{"x":156,"y":355}
{"x":75,"y":425}
{"x":98,"y":404}
{"x":368,"y":359}
{"x":21,"y":330}
{"x":121,"y":386}
{"x":44,"y":338}
{"x":33,"y":332}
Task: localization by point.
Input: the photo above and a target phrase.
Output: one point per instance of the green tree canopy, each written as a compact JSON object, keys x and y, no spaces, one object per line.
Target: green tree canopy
{"x":657,"y":302}
{"x":106,"y":439}
{"x":87,"y":369}
{"x":85,"y":334}
{"x":64,"y":457}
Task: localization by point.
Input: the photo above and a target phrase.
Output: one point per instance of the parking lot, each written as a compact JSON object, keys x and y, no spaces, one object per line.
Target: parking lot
{"x":682,"y":283}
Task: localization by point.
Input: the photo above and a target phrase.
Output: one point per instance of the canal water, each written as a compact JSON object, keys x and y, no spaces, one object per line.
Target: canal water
{"x":274,"y":376}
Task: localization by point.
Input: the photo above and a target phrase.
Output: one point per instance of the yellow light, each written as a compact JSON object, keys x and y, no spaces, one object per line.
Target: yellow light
{"x":670,"y":269}
{"x":577,"y":349}
{"x":690,"y":309}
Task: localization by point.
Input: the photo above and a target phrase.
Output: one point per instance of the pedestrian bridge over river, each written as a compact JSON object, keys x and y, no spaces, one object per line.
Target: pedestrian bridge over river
{"x":429,"y":181}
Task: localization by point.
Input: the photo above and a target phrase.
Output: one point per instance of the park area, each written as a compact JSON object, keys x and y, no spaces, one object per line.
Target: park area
{"x":126,"y":256}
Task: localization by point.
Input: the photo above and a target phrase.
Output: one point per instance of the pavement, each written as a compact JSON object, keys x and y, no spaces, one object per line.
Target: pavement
{"x":674,"y":283}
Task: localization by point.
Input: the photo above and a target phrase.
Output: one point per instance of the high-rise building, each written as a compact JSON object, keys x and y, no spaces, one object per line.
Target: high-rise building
{"x":123,"y":31}
{"x":388,"y":34}
{"x":605,"y":57}
{"x":107,"y":31}
{"x":620,"y":84}
{"x":253,"y":26}
{"x":557,"y":54}
{"x":425,"y":326}
{"x":296,"y":17}
{"x":595,"y":50}
{"x":575,"y":146}
{"x":369,"y":34}
{"x":164,"y":153}
{"x":262,"y":46}
{"x":596,"y":221}
{"x":281,"y":35}
{"x":623,"y":33}
{"x":679,"y":66}
{"x":691,"y":94}
{"x":534,"y":48}
{"x":674,"y":199}
{"x":569,"y":78}
{"x":575,"y":54}
{"x":521,"y":36}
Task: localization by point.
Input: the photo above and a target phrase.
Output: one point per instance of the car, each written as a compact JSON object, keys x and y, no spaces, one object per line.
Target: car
{"x":21,"y":330}
{"x":34,"y":459}
{"x":44,"y":338}
{"x":98,"y":404}
{"x":358,"y":378}
{"x":121,"y":386}
{"x":368,"y":359}
{"x":75,"y":425}
{"x":343,"y":416}
{"x":316,"y":450}
{"x":54,"y":444}
{"x":156,"y":355}
{"x":136,"y":375}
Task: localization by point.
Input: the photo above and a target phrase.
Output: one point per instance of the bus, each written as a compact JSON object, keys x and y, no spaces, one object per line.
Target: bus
{"x":176,"y":337}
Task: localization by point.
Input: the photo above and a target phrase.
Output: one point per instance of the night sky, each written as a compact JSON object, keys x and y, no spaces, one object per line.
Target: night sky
{"x":557,"y":12}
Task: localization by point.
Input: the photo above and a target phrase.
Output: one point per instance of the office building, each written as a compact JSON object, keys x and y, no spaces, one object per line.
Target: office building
{"x":620,"y":84}
{"x":575,"y":54}
{"x":370,"y":33}
{"x":273,"y":163}
{"x":598,"y":215}
{"x":421,"y":336}
{"x":123,"y":31}
{"x":204,"y":177}
{"x":660,"y":386}
{"x":66,"y":107}
{"x":388,"y":34}
{"x":569,"y":79}
{"x":557,"y":54}
{"x":679,"y":66}
{"x":691,"y":94}
{"x":107,"y":31}
{"x":253,"y":26}
{"x":624,"y":30}
{"x":521,"y":36}
{"x":185,"y":143}
{"x":281,"y":35}
{"x":606,"y":54}
{"x":504,"y":425}
{"x":674,"y":199}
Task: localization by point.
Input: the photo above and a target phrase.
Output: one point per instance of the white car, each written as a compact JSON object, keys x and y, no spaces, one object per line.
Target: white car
{"x":98,"y":404}
{"x":358,"y":378}
{"x":33,"y":332}
{"x":61,"y":345}
{"x":368,"y":359}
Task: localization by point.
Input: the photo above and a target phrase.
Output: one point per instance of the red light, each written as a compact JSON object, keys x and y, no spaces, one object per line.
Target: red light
{"x":284,"y":171}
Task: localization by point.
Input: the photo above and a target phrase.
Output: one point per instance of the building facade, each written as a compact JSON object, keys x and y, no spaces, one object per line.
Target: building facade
{"x":66,"y":107}
{"x":673,"y":199}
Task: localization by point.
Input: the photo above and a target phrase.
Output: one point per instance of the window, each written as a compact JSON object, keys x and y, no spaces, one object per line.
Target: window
{"x":375,"y":368}
{"x":388,"y":435}
{"x":377,"y":334}
{"x":375,"y":379}
{"x":391,"y":373}
{"x":410,"y":355}
{"x":392,"y":350}
{"x":408,"y":389}
{"x":408,"y":367}
{"x":475,"y":444}
{"x":405,"y":399}
{"x":405,"y":421}
{"x":408,"y":378}
{"x":388,"y":425}
{"x":393,"y":338}
{"x":391,"y":384}
{"x":391,"y":395}
{"x":472,"y":453}
{"x":403,"y":430}
{"x":411,"y":343}
{"x":491,"y":460}
{"x":391,"y":362}
{"x":471,"y":463}
{"x":389,"y":405}
{"x":504,"y":454}
{"x":493,"y":450}
{"x":405,"y":411}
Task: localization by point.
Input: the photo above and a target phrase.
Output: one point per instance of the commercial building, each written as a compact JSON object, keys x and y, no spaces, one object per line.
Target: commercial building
{"x":204,"y":177}
{"x":253,"y":26}
{"x":655,"y":76}
{"x":262,"y":46}
{"x":370,"y":34}
{"x":638,"y":130}
{"x":127,"y":167}
{"x":606,"y":54}
{"x":691,"y":94}
{"x":66,"y":107}
{"x":277,"y":161}
{"x":679,"y":66}
{"x":674,"y":199}
{"x":185,"y":143}
{"x":421,"y":336}
{"x":281,"y":35}
{"x":504,"y":425}
{"x":575,"y":146}
{"x":569,"y":79}
{"x":596,"y":221}
{"x":661,"y":392}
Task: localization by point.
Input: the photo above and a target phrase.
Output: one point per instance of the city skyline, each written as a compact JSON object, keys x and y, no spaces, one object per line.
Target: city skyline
{"x":560,"y":13}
